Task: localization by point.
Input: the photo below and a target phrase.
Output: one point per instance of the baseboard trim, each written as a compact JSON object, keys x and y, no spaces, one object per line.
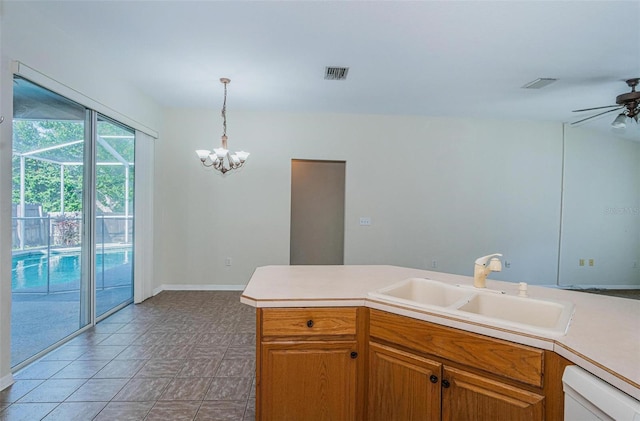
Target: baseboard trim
{"x":6,"y":381}
{"x":181,"y":287}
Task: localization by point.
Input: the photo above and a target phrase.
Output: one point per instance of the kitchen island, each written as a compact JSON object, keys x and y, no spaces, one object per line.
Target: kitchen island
{"x":603,"y":337}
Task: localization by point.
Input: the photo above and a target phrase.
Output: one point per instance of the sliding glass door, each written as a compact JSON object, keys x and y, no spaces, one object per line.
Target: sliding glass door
{"x":114,"y":215}
{"x":72,"y":218}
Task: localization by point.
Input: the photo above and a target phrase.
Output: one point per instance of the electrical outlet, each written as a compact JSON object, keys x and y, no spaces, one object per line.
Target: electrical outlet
{"x":592,"y":262}
{"x":365,"y":221}
{"x":434,"y":264}
{"x":227,"y":261}
{"x":581,"y":262}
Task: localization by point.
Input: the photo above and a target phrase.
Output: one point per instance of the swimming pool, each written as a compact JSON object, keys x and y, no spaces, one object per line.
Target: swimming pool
{"x":60,"y":271}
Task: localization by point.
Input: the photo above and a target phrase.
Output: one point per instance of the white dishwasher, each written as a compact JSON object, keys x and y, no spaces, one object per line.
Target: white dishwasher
{"x":587,"y":398}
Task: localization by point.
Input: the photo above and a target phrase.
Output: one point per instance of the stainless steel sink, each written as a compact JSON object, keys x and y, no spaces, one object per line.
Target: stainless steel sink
{"x":547,"y":317}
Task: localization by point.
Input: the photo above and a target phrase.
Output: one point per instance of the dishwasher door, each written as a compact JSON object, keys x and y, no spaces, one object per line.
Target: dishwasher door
{"x":587,"y":398}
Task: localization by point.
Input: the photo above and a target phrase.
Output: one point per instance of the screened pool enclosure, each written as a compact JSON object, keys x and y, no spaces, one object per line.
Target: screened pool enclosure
{"x":72,"y":221}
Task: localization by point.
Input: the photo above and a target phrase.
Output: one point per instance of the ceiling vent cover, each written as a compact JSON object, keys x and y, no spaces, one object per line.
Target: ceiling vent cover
{"x":335,"y":73}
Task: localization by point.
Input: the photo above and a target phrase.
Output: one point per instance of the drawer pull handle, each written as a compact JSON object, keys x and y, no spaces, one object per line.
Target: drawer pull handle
{"x":354,"y":355}
{"x":309,"y":323}
{"x":445,"y":383}
{"x":433,"y":378}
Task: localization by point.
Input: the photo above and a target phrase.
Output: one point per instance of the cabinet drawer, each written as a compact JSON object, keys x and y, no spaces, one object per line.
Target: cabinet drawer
{"x":507,"y":359}
{"x":309,"y":321}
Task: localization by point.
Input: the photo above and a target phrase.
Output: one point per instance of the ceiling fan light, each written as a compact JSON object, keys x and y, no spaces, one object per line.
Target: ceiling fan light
{"x":619,"y":122}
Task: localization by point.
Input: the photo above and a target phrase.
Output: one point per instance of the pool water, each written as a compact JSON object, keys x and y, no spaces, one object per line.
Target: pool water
{"x":30,"y":272}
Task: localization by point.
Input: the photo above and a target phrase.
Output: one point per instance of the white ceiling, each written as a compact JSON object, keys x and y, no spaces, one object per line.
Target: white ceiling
{"x":439,"y":58}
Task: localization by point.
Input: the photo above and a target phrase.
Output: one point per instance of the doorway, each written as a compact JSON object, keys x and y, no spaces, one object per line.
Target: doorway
{"x":317,"y":212}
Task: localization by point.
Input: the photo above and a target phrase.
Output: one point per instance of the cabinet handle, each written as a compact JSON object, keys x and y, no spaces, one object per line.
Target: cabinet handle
{"x":433,"y":378}
{"x":354,"y":355}
{"x":445,"y":383}
{"x":309,"y":323}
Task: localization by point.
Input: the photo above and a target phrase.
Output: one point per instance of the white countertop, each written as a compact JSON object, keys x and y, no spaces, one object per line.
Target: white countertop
{"x":603,"y":337}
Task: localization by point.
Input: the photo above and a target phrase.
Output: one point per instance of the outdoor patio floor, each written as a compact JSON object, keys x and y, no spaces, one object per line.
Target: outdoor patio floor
{"x":39,"y":320}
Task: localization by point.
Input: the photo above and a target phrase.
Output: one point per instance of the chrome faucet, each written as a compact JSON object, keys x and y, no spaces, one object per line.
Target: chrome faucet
{"x":483,"y":267}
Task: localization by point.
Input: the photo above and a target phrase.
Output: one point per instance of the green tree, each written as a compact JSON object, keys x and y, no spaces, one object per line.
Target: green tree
{"x":60,"y":143}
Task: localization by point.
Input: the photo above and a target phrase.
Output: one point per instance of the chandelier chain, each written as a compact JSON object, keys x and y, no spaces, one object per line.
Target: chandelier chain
{"x":224,"y":111}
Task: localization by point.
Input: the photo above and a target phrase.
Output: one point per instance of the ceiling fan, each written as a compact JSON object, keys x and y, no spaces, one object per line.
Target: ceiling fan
{"x":629,"y":103}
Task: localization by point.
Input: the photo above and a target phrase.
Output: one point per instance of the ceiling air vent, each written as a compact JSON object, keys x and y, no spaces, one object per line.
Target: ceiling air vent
{"x":335,"y":73}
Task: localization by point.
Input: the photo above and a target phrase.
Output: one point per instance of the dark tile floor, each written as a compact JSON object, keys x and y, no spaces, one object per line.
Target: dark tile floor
{"x":181,"y":355}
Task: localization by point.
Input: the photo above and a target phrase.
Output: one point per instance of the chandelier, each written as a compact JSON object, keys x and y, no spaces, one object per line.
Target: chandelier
{"x":221,"y":158}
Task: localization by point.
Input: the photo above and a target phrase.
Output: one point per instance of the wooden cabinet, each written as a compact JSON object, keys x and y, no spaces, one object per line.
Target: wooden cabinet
{"x":507,"y":359}
{"x":351,"y":363}
{"x":309,"y":322}
{"x":470,"y":397}
{"x":309,"y":381}
{"x":420,"y":370}
{"x":402,"y":386}
{"x":309,"y":364}
{"x":407,"y":387}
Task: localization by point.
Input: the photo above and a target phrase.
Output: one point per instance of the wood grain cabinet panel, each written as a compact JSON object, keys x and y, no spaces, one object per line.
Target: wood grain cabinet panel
{"x":309,"y":381}
{"x":309,"y":321}
{"x":469,"y":397}
{"x":483,"y":378}
{"x":402,"y":386}
{"x":514,"y":361}
{"x":350,"y":363}
{"x":310,"y":364}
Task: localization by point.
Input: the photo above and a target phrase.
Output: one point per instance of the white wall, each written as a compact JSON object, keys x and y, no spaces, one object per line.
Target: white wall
{"x":448,"y":190}
{"x":29,"y":38}
{"x":26,"y":36}
{"x":601,"y":210}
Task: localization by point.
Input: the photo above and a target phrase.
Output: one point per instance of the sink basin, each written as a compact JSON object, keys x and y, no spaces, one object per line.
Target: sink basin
{"x":422,"y":292}
{"x":521,"y":312}
{"x":547,"y":317}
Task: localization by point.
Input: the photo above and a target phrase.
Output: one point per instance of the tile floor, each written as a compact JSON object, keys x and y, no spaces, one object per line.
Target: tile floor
{"x":181,"y":355}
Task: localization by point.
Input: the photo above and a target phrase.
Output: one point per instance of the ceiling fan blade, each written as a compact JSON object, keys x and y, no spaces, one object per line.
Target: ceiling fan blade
{"x":596,"y":115}
{"x":596,"y":108}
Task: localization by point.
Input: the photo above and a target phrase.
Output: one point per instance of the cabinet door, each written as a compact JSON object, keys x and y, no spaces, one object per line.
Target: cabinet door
{"x":309,"y":381}
{"x":471,"y":397}
{"x":402,"y":386}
